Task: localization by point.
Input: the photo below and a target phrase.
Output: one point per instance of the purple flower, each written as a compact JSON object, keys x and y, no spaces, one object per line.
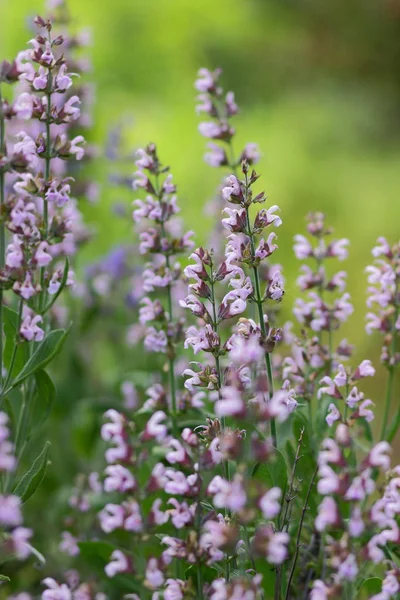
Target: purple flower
{"x":10,"y":513}
{"x":216,"y":157}
{"x":23,"y":106}
{"x":112,"y":517}
{"x":30,"y":330}
{"x":269,"y":503}
{"x":55,"y":591}
{"x":119,"y":564}
{"x":328,"y":514}
{"x":155,"y":341}
{"x":118,"y":479}
{"x":69,"y":544}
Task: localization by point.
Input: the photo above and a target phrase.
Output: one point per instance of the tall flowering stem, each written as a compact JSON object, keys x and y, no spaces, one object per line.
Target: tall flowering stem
{"x":384,"y":297}
{"x":221,"y":108}
{"x":242,"y":249}
{"x":162,"y":242}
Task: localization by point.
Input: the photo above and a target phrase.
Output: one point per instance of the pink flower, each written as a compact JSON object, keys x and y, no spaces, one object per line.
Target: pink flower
{"x":230,"y":402}
{"x":245,"y":350}
{"x":111,"y":517}
{"x":319,"y":591}
{"x":228,"y":494}
{"x":329,"y":482}
{"x":115,"y":428}
{"x":76,"y":147}
{"x":333,"y":415}
{"x":15,"y":255}
{"x":42,"y":258}
{"x":277,"y":548}
{"x":23,"y":106}
{"x":19,"y":539}
{"x":133,"y":517}
{"x":269,"y":503}
{"x":205,"y":80}
{"x":365,"y":369}
{"x":30,"y":330}
{"x":181,"y":514}
{"x":119,"y":564}
{"x":302,"y":247}
{"x":348,"y":569}
{"x":69,"y":544}
{"x":55,"y":591}
{"x":40,"y":80}
{"x":63,"y":80}
{"x":71,"y":109}
{"x":118,"y":479}
{"x":232,"y":192}
{"x":155,"y":428}
{"x":338,"y":249}
{"x":378,"y":456}
{"x":356,"y":524}
{"x":154,"y":576}
{"x":328,"y":514}
{"x":382,"y":248}
{"x":155,"y":341}
{"x":216,"y":157}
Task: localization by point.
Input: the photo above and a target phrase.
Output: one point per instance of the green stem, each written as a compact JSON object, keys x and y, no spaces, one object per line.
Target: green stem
{"x":171,"y":359}
{"x":303,"y":514}
{"x":388,"y":401}
{"x":2,"y":230}
{"x":217,"y":361}
{"x":259,"y":302}
{"x":15,"y":350}
{"x":392,"y":368}
{"x":42,"y":297}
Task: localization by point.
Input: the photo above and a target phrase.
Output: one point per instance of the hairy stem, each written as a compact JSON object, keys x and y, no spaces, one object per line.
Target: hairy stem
{"x":392,"y":368}
{"x":42,"y":297}
{"x":303,"y":514}
{"x":2,"y":229}
{"x":259,"y":302}
{"x":15,"y":350}
{"x":171,"y":359}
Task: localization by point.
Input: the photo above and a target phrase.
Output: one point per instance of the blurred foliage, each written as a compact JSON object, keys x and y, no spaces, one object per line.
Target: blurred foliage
{"x":318,"y":84}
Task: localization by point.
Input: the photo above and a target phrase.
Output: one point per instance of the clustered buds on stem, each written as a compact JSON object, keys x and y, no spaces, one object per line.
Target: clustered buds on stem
{"x":256,"y":475}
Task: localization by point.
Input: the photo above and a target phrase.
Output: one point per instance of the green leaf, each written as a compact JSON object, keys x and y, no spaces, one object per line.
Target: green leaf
{"x":45,"y":395}
{"x":394,"y":427}
{"x":373,"y":585}
{"x":4,"y":578}
{"x":29,"y":483}
{"x":97,"y":555}
{"x":60,"y":289}
{"x":46,"y":351}
{"x":274,"y":473}
{"x":11,"y":321}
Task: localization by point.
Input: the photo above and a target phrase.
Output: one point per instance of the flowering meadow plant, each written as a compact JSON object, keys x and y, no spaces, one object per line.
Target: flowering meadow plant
{"x":243,"y":461}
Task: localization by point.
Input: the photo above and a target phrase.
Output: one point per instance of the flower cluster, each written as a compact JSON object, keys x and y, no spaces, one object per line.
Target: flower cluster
{"x":220,"y":108}
{"x":357,"y":525}
{"x":36,"y":210}
{"x":14,"y":537}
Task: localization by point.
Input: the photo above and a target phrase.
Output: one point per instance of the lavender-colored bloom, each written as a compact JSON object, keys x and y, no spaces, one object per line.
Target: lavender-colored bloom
{"x":119,"y":564}
{"x":55,"y":590}
{"x":69,"y":544}
{"x":23,"y":106}
{"x":10,"y":513}
{"x":269,"y":503}
{"x":30,"y":329}
{"x":118,"y":478}
{"x":155,"y":341}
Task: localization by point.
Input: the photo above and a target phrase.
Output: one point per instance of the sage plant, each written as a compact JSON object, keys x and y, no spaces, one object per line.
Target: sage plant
{"x":34,"y":225}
